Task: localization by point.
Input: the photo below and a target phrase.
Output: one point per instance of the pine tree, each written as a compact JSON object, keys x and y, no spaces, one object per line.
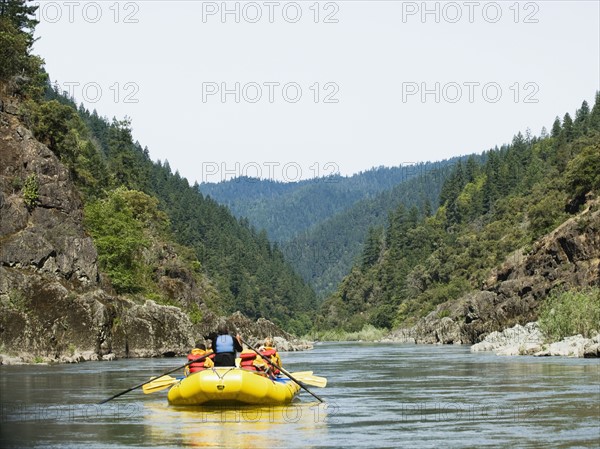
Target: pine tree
{"x":583,"y":171}
{"x":491,"y":187}
{"x":471,"y":170}
{"x":582,"y":119}
{"x":594,"y":120}
{"x":456,"y":183}
{"x":556,"y":128}
{"x":568,"y":132}
{"x":413,"y":216}
{"x":372,"y":248}
{"x":427,"y":209}
{"x":16,"y":38}
{"x":20,"y":15}
{"x":453,"y":185}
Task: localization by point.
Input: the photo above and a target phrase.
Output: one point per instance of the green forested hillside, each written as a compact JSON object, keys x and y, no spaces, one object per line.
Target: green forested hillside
{"x":489,"y":209}
{"x":324,"y":254}
{"x":147,"y":221}
{"x":285,"y":210}
{"x":322,"y":223}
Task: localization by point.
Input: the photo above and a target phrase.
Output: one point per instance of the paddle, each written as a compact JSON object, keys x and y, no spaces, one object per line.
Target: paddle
{"x":303,"y":373}
{"x":148,"y":381}
{"x":309,"y":379}
{"x":159,"y":384}
{"x":268,"y":360}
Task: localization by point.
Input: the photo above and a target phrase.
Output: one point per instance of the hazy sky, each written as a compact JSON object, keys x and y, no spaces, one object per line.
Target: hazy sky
{"x":296,"y":89}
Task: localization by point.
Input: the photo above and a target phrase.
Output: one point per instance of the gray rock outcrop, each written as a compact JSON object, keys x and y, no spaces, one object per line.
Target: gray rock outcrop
{"x":529,"y":340}
{"x":516,"y":340}
{"x":574,"y":346}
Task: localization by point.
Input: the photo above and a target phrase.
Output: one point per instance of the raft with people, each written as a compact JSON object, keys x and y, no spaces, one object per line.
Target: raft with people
{"x":217,"y":377}
{"x":255,"y":378}
{"x":232,"y":385}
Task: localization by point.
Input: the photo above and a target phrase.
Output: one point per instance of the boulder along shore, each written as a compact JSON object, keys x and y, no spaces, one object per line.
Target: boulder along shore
{"x":529,"y":340}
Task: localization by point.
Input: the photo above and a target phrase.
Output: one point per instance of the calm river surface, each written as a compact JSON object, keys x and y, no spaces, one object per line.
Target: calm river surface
{"x":378,"y":396}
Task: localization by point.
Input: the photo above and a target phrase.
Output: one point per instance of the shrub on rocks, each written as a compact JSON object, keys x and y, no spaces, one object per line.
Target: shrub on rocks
{"x":571,"y":313}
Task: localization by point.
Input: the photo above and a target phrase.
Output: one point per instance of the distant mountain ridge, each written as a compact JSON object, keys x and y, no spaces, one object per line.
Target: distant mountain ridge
{"x":285,"y":210}
{"x":324,"y":254}
{"x":322,"y":223}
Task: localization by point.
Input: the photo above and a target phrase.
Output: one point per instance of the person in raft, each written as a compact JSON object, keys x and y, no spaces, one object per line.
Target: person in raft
{"x":225,"y":347}
{"x":203,"y":364}
{"x":268,"y":350}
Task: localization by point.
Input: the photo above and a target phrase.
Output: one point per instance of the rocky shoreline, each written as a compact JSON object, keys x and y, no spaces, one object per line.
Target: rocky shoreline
{"x":76,"y":356}
{"x":529,"y":340}
{"x":155,"y":330}
{"x":516,"y":340}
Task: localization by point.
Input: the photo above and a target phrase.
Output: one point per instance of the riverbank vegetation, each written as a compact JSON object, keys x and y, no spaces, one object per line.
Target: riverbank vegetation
{"x":569,"y":313}
{"x":368,"y":333}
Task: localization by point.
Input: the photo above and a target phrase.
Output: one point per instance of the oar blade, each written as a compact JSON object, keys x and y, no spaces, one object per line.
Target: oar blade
{"x":302,"y":373}
{"x":315,"y":381}
{"x":156,"y":388}
{"x":159,"y":384}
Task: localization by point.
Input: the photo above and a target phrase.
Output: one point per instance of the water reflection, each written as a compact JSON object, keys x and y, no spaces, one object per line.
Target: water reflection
{"x":236,"y":427}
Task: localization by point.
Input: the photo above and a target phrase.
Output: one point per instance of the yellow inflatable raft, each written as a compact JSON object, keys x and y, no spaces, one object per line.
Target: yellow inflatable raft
{"x":227,"y":385}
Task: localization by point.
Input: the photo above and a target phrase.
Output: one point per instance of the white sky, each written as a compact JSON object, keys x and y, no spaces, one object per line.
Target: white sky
{"x":374,"y":57}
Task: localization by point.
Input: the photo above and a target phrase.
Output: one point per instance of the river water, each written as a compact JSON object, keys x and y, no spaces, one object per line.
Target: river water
{"x":378,"y":396}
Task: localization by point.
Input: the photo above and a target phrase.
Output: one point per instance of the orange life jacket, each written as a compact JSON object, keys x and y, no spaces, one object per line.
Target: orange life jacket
{"x":271,"y":354}
{"x":198,"y":366}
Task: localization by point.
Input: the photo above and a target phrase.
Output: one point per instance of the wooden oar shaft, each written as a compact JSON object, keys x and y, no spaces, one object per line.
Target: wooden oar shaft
{"x":268,"y":360}
{"x":148,"y":381}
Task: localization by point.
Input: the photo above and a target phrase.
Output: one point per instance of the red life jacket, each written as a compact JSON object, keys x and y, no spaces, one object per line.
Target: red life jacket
{"x":197,"y":366}
{"x":269,"y":353}
{"x":247,"y":361}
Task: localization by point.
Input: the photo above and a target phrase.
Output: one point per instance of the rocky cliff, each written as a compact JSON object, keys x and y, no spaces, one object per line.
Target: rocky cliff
{"x":567,"y":257}
{"x":54,"y":302}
